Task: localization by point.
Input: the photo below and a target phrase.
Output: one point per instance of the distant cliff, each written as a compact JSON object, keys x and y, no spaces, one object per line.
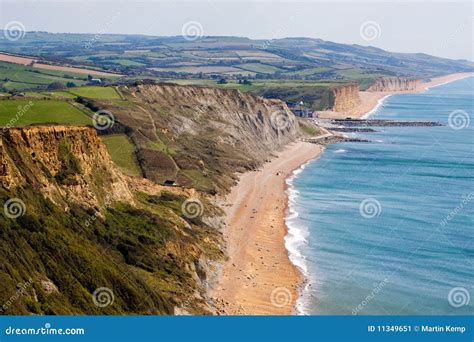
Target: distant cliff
{"x":394,"y":84}
{"x":345,"y":97}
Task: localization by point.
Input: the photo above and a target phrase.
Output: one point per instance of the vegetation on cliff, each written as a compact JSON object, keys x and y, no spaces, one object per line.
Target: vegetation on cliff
{"x":67,"y":229}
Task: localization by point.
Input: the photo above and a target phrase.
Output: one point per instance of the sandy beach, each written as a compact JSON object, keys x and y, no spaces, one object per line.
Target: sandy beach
{"x":259,"y":278}
{"x":369,"y":100}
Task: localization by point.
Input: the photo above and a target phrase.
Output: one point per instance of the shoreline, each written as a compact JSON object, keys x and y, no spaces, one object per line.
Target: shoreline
{"x":259,"y":278}
{"x":370,"y":101}
{"x":296,"y":236}
{"x":274,"y":287}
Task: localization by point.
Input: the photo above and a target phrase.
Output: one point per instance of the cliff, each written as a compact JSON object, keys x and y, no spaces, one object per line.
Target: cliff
{"x":394,"y":84}
{"x":61,"y":162}
{"x":80,"y":237}
{"x":202,"y":136}
{"x":345,"y":97}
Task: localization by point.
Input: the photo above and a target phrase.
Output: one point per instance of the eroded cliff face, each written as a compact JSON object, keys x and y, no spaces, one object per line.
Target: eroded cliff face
{"x":202,"y":136}
{"x":394,"y":84}
{"x":244,"y":118}
{"x":345,"y":97}
{"x":73,"y":223}
{"x":62,"y":163}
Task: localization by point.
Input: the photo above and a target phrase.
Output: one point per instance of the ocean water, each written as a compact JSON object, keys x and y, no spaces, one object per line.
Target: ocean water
{"x":386,"y":228}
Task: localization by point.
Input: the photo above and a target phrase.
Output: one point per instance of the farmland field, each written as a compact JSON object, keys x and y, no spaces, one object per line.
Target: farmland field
{"x":24,"y":60}
{"x":228,"y":57}
{"x":100,"y":93}
{"x":122,"y":152}
{"x":19,"y":77}
{"x":27,"y":112}
{"x":259,"y":68}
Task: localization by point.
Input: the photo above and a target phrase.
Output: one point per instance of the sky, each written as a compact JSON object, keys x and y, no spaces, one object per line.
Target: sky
{"x":440,"y":28}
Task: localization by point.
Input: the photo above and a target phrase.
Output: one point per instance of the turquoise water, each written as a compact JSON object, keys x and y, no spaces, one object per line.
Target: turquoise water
{"x":387,"y":227}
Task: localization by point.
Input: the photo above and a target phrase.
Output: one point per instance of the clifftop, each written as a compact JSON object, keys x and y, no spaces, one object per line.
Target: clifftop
{"x":73,"y":223}
{"x":394,"y":84}
{"x":62,"y":162}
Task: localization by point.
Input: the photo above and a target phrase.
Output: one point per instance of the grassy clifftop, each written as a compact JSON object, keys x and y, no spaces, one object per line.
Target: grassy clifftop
{"x":69,"y":228}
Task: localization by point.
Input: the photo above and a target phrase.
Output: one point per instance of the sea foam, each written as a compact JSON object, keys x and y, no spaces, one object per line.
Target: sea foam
{"x":296,"y":236}
{"x":378,"y":106}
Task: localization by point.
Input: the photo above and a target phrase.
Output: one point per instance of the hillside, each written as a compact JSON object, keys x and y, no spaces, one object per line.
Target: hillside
{"x":177,"y":57}
{"x":200,"y":136}
{"x":74,"y":222}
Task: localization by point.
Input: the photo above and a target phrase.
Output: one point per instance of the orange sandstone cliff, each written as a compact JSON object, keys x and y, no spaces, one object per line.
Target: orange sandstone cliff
{"x":345,"y":97}
{"x":394,"y":84}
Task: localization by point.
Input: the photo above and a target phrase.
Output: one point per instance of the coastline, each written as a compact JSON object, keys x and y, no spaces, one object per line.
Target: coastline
{"x":369,"y":101}
{"x":264,"y":275}
{"x":259,"y":277}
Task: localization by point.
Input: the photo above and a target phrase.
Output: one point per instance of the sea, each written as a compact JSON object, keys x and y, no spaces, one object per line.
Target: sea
{"x":387,"y":227}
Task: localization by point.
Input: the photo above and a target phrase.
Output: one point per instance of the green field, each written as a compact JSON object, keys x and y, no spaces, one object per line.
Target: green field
{"x":258,"y":68}
{"x":21,"y":77}
{"x":122,"y":152}
{"x":27,"y":112}
{"x":309,"y":71}
{"x":127,"y":62}
{"x":100,"y":93}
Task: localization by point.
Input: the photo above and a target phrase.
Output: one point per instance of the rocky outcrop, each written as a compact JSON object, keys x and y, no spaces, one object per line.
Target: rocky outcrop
{"x":62,"y":162}
{"x":245,"y":118}
{"x":345,"y":97}
{"x":394,"y":84}
{"x":202,"y":136}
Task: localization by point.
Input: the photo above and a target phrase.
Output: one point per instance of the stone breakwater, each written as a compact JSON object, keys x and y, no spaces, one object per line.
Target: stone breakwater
{"x":383,"y":123}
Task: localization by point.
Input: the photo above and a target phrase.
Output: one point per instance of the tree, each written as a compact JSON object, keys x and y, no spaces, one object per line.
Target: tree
{"x":71,"y":85}
{"x":222,"y":81}
{"x":56,"y":85}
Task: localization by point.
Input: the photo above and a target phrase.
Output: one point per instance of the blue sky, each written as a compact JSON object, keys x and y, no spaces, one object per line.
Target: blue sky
{"x":441,"y":28}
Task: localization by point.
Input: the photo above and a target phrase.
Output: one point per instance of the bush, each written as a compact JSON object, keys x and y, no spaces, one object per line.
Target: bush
{"x":56,"y":85}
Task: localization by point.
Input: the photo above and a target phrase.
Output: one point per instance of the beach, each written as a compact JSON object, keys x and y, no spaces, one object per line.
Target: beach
{"x":370,"y":100}
{"x":259,"y":278}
